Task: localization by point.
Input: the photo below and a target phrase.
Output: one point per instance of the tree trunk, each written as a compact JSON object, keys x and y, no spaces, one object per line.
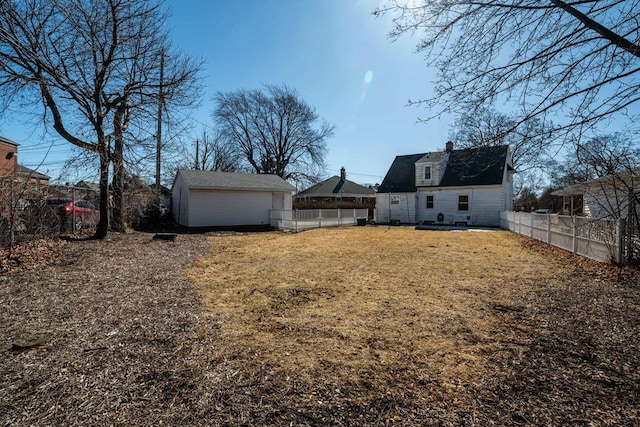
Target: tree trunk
{"x":103,"y":224}
{"x":118,"y":223}
{"x":118,"y":170}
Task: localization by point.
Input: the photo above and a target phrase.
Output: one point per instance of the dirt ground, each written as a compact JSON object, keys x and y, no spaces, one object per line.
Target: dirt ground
{"x":114,"y":333}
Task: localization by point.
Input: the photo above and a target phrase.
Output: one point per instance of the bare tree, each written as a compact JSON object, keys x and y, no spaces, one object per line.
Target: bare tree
{"x":213,"y":152}
{"x":526,"y":200}
{"x":601,"y":156}
{"x":275,"y":130}
{"x":605,"y":171}
{"x":487,"y":127}
{"x":580,"y":59}
{"x":92,"y":66}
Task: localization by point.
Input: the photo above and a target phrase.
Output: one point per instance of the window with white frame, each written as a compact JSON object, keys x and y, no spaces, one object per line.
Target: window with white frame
{"x":427,"y":172}
{"x":429,"y":201}
{"x":463,"y":202}
{"x":395,"y":200}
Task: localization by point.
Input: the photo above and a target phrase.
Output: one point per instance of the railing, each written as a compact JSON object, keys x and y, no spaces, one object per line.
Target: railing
{"x":299,"y":220}
{"x":598,"y":239}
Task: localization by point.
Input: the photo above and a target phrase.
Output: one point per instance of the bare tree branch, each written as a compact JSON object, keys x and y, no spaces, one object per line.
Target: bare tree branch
{"x":275,"y":130}
{"x":575,"y":61}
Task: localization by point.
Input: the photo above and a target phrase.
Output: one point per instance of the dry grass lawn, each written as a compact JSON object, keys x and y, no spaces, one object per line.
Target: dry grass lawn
{"x":382,"y":317}
{"x":358,"y":302}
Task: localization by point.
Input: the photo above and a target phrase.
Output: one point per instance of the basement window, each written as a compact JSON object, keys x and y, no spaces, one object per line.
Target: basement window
{"x":463,"y":202}
{"x":429,"y":202}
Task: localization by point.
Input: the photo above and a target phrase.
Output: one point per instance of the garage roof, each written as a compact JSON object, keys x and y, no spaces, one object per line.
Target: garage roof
{"x":210,"y":180}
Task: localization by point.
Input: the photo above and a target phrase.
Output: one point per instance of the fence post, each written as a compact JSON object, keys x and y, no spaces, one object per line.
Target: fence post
{"x":531,"y":221}
{"x":519,"y":223}
{"x":549,"y":229}
{"x":620,"y":229}
{"x":574,"y":226}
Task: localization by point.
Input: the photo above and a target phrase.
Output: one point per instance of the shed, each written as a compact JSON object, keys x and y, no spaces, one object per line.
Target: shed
{"x":226,"y":199}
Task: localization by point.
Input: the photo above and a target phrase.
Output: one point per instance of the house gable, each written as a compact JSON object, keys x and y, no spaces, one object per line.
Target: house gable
{"x":430,"y":169}
{"x":469,"y":186}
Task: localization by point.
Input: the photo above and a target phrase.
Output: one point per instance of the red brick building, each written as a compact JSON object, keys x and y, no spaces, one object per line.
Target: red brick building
{"x":8,"y":158}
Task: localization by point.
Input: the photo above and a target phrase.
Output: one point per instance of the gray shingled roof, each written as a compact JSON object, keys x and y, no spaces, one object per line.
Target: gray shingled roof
{"x":471,"y":166}
{"x":401,"y":177}
{"x":335,"y":185}
{"x":209,"y":180}
{"x":624,"y":178}
{"x":30,"y":173}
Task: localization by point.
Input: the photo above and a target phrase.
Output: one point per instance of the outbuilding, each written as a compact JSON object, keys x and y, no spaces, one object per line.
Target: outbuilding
{"x":226,"y":199}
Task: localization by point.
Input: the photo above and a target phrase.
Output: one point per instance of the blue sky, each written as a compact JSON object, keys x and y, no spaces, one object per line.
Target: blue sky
{"x":334,"y":53}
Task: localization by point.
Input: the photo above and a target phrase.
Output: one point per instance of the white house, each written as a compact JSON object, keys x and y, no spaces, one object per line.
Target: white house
{"x":611,"y":197}
{"x":225,"y":199}
{"x":470,"y":186}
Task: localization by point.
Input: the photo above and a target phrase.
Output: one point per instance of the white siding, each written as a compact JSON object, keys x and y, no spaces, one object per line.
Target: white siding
{"x":507,"y":191}
{"x":211,"y":208}
{"x":282,"y":202}
{"x":180,"y":201}
{"x":485,"y":205}
{"x":404,"y":211}
{"x":437,"y":172}
{"x":612,"y":204}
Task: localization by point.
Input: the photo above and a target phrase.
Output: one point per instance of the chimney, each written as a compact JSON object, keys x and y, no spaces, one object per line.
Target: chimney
{"x":449,"y":146}
{"x":343,"y":174}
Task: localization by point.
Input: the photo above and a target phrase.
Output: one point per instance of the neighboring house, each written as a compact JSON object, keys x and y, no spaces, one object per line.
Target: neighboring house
{"x":225,"y":199}
{"x":9,"y":167}
{"x":605,"y":197}
{"x":470,"y":186}
{"x":335,"y":193}
{"x":29,"y":175}
{"x":8,"y":158}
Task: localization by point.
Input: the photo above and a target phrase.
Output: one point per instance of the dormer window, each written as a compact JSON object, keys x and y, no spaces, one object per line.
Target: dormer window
{"x":427,"y":172}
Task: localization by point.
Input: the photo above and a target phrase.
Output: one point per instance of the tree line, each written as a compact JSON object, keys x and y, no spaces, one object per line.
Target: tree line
{"x":101,"y":73}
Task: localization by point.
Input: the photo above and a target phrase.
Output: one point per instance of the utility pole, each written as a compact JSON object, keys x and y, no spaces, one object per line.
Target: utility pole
{"x":197,"y":164}
{"x":159,"y":130}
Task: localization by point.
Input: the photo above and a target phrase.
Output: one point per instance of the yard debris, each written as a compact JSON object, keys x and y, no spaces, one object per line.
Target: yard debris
{"x":562,"y":350}
{"x":30,"y":255}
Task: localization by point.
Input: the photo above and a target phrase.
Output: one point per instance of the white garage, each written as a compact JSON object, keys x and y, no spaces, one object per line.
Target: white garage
{"x":225,"y":199}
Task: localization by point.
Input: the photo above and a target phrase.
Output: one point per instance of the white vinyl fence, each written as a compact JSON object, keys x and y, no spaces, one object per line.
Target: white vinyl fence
{"x":299,"y":220}
{"x":598,"y":239}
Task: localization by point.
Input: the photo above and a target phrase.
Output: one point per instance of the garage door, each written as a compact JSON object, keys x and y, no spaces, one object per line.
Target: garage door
{"x":228,"y":208}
